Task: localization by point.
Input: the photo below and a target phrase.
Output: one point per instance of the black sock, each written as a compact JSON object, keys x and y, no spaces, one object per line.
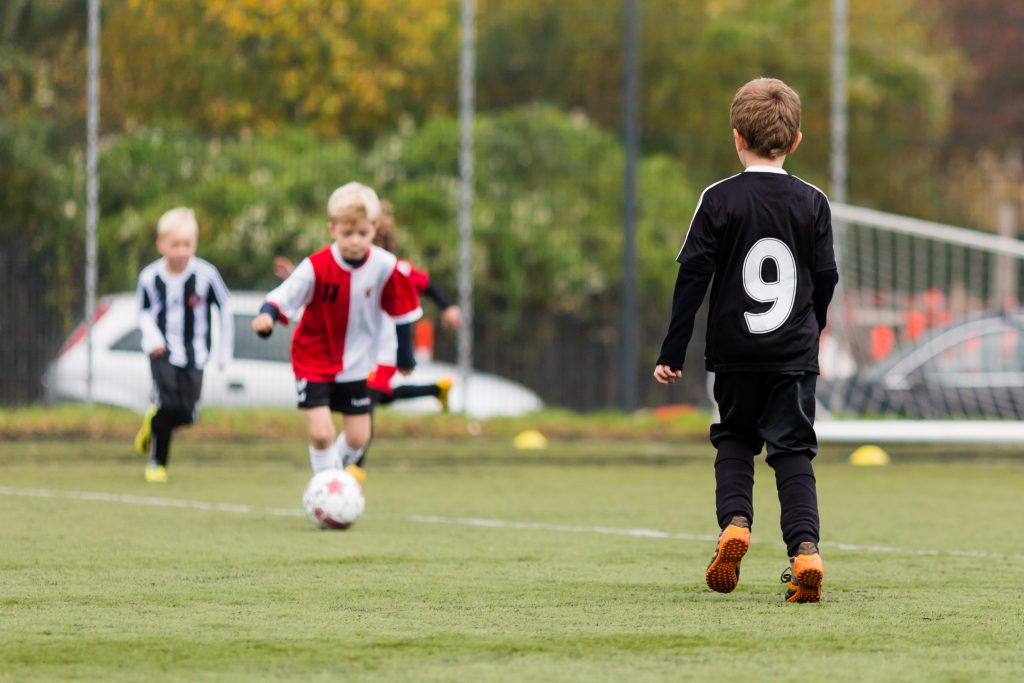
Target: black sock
{"x":416,"y":390}
{"x":798,"y":498}
{"x":734,"y":481}
{"x":164,"y":422}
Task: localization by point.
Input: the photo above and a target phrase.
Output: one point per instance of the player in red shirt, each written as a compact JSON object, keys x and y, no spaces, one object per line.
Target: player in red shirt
{"x":344,"y":292}
{"x":451,"y":317}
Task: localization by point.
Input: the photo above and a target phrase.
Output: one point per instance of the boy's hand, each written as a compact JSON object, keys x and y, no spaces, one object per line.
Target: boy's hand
{"x":283,"y":267}
{"x":666,"y":375}
{"x":158,"y":351}
{"x":263,"y":324}
{"x":451,"y":318}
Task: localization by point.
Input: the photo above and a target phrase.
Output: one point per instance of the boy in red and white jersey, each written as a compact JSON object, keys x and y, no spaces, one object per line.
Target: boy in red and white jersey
{"x":342,"y":291}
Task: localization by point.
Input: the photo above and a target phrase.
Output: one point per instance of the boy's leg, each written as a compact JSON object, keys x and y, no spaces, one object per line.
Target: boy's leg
{"x":164,"y":423}
{"x":177,"y":391}
{"x":405,"y":391}
{"x":357,"y":436}
{"x":357,"y":458}
{"x":144,"y":437}
{"x":353,"y":401}
{"x":438,"y":390}
{"x":735,"y":438}
{"x":788,"y":427}
{"x":177,"y":409}
{"x":798,"y":499}
{"x":320,"y":426}
{"x":734,"y":481}
{"x":734,"y":492}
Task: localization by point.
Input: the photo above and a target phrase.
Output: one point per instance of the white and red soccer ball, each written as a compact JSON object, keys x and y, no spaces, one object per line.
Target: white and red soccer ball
{"x":333,"y":499}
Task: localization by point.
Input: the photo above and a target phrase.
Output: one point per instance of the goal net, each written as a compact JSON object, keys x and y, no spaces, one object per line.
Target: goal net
{"x":926,"y":327}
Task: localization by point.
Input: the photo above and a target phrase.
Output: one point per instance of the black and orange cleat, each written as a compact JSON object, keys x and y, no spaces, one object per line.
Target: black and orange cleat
{"x":723,"y":571}
{"x":804,"y":576}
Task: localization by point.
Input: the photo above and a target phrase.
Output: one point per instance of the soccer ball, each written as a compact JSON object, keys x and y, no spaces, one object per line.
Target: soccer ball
{"x":333,"y":499}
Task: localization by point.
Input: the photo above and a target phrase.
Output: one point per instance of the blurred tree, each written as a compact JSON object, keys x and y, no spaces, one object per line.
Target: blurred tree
{"x":349,"y":68}
{"x":988,"y":111}
{"x":694,"y":55}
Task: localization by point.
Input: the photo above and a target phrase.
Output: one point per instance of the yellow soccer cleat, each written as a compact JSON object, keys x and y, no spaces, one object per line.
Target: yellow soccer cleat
{"x":358,"y":472}
{"x":156,"y":474}
{"x":145,"y":433}
{"x":444,"y":386}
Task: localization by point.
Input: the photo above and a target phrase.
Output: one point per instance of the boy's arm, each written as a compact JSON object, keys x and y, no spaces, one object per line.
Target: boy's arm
{"x":826,"y":276}
{"x":697,"y":260}
{"x":405,"y":358}
{"x":152,"y":339}
{"x":400,"y":301}
{"x":691,"y":286}
{"x":825,"y":283}
{"x":435,"y":295}
{"x":221,"y":296}
{"x":287,"y":299}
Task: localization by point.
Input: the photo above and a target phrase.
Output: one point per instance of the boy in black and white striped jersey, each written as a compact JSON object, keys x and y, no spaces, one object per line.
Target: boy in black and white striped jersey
{"x":175,"y":296}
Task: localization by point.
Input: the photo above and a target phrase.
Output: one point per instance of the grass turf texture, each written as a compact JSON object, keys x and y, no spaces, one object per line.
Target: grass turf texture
{"x":99,"y":590}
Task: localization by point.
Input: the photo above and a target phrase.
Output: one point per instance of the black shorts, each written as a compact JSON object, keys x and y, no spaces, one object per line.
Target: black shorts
{"x":175,"y":388}
{"x":774,"y":408}
{"x":347,"y":398}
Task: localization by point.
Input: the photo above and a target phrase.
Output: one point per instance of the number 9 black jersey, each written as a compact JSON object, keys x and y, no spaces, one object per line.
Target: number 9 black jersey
{"x":764,"y":234}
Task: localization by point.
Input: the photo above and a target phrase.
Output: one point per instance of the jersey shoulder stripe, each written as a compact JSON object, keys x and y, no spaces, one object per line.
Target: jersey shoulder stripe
{"x":696,"y":210}
{"x":813,"y":187}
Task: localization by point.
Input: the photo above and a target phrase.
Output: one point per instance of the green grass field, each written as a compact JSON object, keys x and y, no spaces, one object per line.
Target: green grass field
{"x":107,"y":578}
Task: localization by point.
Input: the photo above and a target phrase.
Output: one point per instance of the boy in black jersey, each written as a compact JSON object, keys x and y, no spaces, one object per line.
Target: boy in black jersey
{"x":766,"y":238}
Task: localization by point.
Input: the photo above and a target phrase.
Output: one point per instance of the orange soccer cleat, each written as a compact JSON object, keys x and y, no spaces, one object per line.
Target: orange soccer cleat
{"x":804,"y":576}
{"x":723,"y":571}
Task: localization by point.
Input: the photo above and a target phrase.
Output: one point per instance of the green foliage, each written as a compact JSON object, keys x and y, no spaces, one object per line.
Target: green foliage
{"x":254,"y":196}
{"x":547,"y":215}
{"x":694,"y":55}
{"x":547,"y":238}
{"x":228,"y":65}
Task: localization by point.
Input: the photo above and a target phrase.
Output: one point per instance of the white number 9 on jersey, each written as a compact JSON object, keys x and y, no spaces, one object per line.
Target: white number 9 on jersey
{"x":780,"y":293}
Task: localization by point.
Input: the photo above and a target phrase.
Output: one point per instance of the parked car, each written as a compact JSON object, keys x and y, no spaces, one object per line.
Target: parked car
{"x":970,"y":368}
{"x":260,"y":375}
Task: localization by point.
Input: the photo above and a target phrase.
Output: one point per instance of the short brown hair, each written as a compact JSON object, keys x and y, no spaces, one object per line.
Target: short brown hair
{"x":766,"y":112}
{"x":387,"y":231}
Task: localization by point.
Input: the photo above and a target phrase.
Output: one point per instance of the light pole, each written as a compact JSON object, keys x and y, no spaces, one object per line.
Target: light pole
{"x":467,"y":86}
{"x":92,"y":185}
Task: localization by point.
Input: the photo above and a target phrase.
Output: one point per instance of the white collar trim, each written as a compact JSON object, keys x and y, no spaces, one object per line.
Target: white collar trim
{"x":765,"y":169}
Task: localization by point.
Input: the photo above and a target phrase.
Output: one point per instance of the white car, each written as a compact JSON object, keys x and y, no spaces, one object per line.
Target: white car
{"x":260,"y":375}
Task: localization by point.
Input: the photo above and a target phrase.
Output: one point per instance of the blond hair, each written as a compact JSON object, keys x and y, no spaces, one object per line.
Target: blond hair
{"x":352,"y":201}
{"x":766,"y":112}
{"x":180,"y":219}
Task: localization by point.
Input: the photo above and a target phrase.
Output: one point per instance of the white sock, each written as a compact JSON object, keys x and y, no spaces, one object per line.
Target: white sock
{"x":339,"y":451}
{"x":346,"y":454}
{"x":322,"y":459}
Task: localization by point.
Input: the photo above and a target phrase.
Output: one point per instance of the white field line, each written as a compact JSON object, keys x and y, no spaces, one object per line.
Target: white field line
{"x":472,"y":521}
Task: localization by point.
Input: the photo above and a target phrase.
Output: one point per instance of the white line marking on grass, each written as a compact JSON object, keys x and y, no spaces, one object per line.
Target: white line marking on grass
{"x":148,"y":500}
{"x":471,"y":521}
